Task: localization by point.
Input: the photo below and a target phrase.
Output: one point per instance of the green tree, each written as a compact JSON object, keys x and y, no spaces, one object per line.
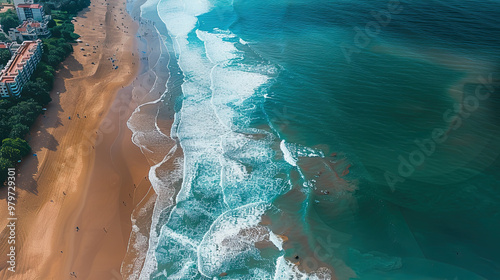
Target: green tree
{"x":4,"y":129}
{"x":24,"y":112}
{"x":5,"y":103}
{"x":32,"y":87}
{"x":56,"y":32}
{"x":4,"y":165}
{"x":4,"y":56}
{"x":19,"y":131}
{"x":19,"y":144}
{"x":9,"y":20}
{"x":52,"y":23}
{"x":4,"y":38}
{"x":19,"y":119}
{"x":9,"y":153}
{"x":38,"y":90}
{"x":53,"y":60}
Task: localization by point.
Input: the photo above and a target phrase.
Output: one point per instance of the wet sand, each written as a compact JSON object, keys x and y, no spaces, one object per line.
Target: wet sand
{"x":152,"y":123}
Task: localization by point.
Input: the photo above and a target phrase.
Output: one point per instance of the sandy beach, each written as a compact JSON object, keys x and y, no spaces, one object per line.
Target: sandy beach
{"x":87,"y":173}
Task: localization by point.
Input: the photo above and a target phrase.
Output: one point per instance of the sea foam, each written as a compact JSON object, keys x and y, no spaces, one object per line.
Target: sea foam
{"x":229,"y":176}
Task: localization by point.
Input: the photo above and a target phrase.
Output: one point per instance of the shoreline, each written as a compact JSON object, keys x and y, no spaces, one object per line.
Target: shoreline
{"x":69,"y":183}
{"x":151,"y":124}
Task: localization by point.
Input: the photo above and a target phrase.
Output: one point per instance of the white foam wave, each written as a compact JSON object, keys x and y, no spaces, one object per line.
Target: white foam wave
{"x":218,"y":49}
{"x":180,"y":18}
{"x":230,"y":241}
{"x":285,"y":270}
{"x":148,"y":5}
{"x":222,"y":169}
{"x":231,"y":88}
{"x":287,"y":154}
{"x":243,"y":42}
{"x":278,"y":242}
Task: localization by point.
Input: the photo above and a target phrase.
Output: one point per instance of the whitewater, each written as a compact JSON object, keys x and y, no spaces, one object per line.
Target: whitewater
{"x":229,"y":167}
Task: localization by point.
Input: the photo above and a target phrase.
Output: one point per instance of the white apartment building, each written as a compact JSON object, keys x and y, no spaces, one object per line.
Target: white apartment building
{"x":26,"y":9}
{"x":20,"y":67}
{"x":29,"y":30}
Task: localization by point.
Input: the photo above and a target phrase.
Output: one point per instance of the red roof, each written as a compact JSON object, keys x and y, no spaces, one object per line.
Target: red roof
{"x":3,"y":45}
{"x":22,"y":55}
{"x":24,"y":27}
{"x":31,"y":6}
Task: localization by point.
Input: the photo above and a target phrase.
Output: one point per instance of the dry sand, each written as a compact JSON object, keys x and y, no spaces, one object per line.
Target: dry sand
{"x":87,"y":172}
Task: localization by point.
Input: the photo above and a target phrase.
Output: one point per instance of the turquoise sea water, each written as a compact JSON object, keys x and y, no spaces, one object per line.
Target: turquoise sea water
{"x":366,"y":132}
